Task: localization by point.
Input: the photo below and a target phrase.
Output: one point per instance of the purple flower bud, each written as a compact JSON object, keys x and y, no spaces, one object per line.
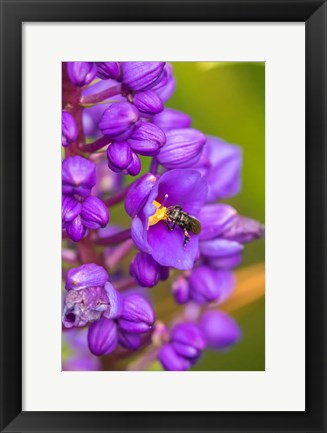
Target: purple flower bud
{"x":108,"y":70}
{"x":218,"y":247}
{"x":171,"y":119}
{"x":75,"y":229}
{"x":227,"y":262}
{"x":88,"y":275}
{"x":71,"y":208}
{"x":182,"y":149}
{"x":147,"y":139}
{"x":221,"y":165}
{"x":181,"y":290}
{"x":116,"y":302}
{"x":138,"y":315}
{"x":185,"y":348}
{"x":84,"y":306}
{"x":141,"y":75}
{"x":102,"y":337}
{"x":188,"y":340}
{"x":81,"y":73}
{"x":129,"y":341}
{"x":118,"y":121}
{"x":244,"y":230}
{"x":207,"y":285}
{"x":94,"y":213}
{"x":119,"y":156}
{"x":221,"y":330}
{"x":78,"y":176}
{"x":69,"y":129}
{"x":166,"y":86}
{"x":135,"y":166}
{"x":171,"y":361}
{"x":148,"y":102}
{"x":215,"y":219}
{"x":138,"y":194}
{"x":145,"y":270}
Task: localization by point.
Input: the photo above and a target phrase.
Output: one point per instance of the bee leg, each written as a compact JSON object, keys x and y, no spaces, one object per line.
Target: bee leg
{"x":186,"y":238}
{"x":168,"y":226}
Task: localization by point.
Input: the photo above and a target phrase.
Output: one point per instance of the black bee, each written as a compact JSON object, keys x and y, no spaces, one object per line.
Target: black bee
{"x":177,"y":217}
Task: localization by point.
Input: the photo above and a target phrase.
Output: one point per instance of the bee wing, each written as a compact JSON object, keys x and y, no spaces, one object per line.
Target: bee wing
{"x":195,"y":225}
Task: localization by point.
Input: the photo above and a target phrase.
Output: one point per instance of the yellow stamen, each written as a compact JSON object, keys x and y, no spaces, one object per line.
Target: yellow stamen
{"x":161,"y":214}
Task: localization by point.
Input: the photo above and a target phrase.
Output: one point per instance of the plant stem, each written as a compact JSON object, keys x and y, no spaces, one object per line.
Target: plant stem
{"x":128,"y":283}
{"x":101,"y":96}
{"x":96,"y":145}
{"x":117,"y":198}
{"x":114,"y":239}
{"x":119,"y":253}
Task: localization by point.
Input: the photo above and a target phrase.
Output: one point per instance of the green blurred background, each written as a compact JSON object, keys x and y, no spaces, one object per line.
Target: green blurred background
{"x":228,"y":100}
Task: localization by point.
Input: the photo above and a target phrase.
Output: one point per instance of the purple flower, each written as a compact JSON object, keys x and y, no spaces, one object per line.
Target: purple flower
{"x":89,"y":296}
{"x":81,"y":73}
{"x":78,"y":176}
{"x":184,"y":349}
{"x":221,"y":164}
{"x":170,"y":119}
{"x":141,"y":75}
{"x":147,"y":139}
{"x":207,"y":285}
{"x":77,"y":216}
{"x":69,"y":129}
{"x":146,"y":270}
{"x":185,"y":188}
{"x":118,"y":121}
{"x":220,"y":330}
{"x":182,"y":149}
{"x":138,"y":315}
{"x":223,"y":233}
{"x":108,"y":70}
{"x":148,"y":102}
{"x":102,"y":337}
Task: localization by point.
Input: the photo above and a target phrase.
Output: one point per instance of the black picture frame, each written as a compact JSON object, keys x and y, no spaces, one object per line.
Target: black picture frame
{"x":13,"y":14}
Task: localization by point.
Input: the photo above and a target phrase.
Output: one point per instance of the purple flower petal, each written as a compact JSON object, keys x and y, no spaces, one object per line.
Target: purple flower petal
{"x":129,"y":341}
{"x":108,"y":70}
{"x":134,"y":167}
{"x":116,"y":302}
{"x":244,"y":230}
{"x":138,"y":315}
{"x":147,"y":139}
{"x":88,"y":275}
{"x":145,"y":270}
{"x":138,"y":193}
{"x":181,"y":290}
{"x":166,"y":86}
{"x":189,"y":334}
{"x":119,"y":156}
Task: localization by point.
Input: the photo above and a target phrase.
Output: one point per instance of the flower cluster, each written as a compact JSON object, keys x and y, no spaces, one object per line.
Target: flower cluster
{"x":113,"y":119}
